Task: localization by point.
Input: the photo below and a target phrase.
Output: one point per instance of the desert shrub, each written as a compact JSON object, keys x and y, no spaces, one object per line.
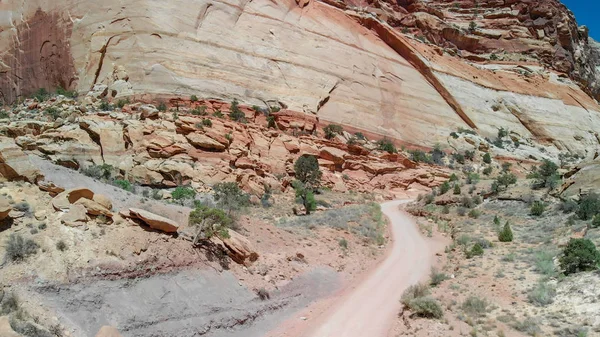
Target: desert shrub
{"x":209,"y":222}
{"x":230,"y":197}
{"x":199,"y":111}
{"x":579,"y":255}
{"x":183,"y":193}
{"x":475,"y":306}
{"x":506,"y":234}
{"x":386,"y":145}
{"x":588,"y":206}
{"x":10,"y":303}
{"x":307,"y":171}
{"x":122,"y":102}
{"x":506,"y":167}
{"x":472,"y":178}
{"x":537,"y":208}
{"x":61,"y":245}
{"x":426,"y":307}
{"x":487,"y":171}
{"x":487,"y":158}
{"x":477,"y":200}
{"x":103,"y":171}
{"x":463,"y":240}
{"x":105,"y":106}
{"x":429,"y":198}
{"x":453,"y":177}
{"x":542,"y":294}
{"x":66,"y":93}
{"x":470,"y":155}
{"x":123,"y":184}
{"x":436,"y":277}
{"x":460,"y":158}
{"x":503,"y":181}
{"x":235,"y":113}
{"x":529,"y":326}
{"x":474,"y":214}
{"x":53,"y":112}
{"x":41,"y":95}
{"x":263,"y":294}
{"x":162,"y":107}
{"x":446,"y":209}
{"x":359,"y":135}
{"x":305,"y":195}
{"x":544,"y":262}
{"x":493,"y":57}
{"x":18,"y":248}
{"x":206,"y":122}
{"x":23,"y":207}
{"x":445,"y":187}
{"x":476,"y":250}
{"x":502,"y":132}
{"x":461,"y":211}
{"x":332,"y":130}
{"x":595,"y":221}
{"x":456,"y":190}
{"x":343,"y":243}
{"x":454,"y":135}
{"x":545,"y":175}
{"x":437,"y":155}
{"x":568,"y":206}
{"x":484,"y":243}
{"x":413,"y":292}
{"x":271,"y":122}
{"x":194,"y":98}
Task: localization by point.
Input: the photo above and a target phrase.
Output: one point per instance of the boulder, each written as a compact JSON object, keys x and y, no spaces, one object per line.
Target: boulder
{"x":108,"y":331}
{"x":5,"y":328}
{"x":50,"y":187}
{"x":64,"y":199}
{"x":155,"y":221}
{"x":14,"y":163}
{"x":204,"y":142}
{"x":93,"y":208}
{"x":238,"y":247}
{"x":333,"y":154}
{"x":103,"y":200}
{"x":5,"y":208}
{"x":76,"y":216}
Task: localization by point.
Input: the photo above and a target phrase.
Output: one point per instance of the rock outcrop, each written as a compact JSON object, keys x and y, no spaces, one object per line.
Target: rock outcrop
{"x":413,"y":71}
{"x":154,"y":221}
{"x":14,"y":164}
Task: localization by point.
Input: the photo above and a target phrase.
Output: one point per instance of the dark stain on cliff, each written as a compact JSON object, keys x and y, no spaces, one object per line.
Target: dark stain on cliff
{"x":40,"y":57}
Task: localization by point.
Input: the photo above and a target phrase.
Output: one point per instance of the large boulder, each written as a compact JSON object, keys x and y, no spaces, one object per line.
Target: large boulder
{"x":64,"y":199}
{"x":204,"y":142}
{"x":5,"y":208}
{"x":154,"y":221}
{"x":238,"y":247}
{"x":93,"y":208}
{"x":108,"y":331}
{"x":14,"y":163}
{"x":76,"y":216}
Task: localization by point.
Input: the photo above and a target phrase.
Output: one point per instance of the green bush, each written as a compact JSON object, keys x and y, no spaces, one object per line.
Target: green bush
{"x":475,"y":306}
{"x":476,"y":250}
{"x":61,"y":245}
{"x":66,"y":93}
{"x":199,"y":111}
{"x":206,"y":122}
{"x":487,"y":158}
{"x":459,"y":158}
{"x":537,"y":208}
{"x":542,"y":294}
{"x":360,"y":136}
{"x":487,"y":171}
{"x":506,"y":167}
{"x":456,"y":190}
{"x":588,"y":206}
{"x":103,"y":171}
{"x":436,"y":277}
{"x":307,"y":171}
{"x":579,"y":255}
{"x":305,"y":195}
{"x":124,"y":184}
{"x":595,"y":221}
{"x":474,"y":214}
{"x":209,"y":222}
{"x":453,"y":177}
{"x":105,"y":106}
{"x":53,"y":112}
{"x":470,"y":155}
{"x":426,"y":307}
{"x":271,"y":122}
{"x":230,"y":197}
{"x":502,"y":132}
{"x":386,"y":145}
{"x":18,"y":248}
{"x":546,"y":175}
{"x":506,"y":234}
{"x":472,"y":178}
{"x":162,"y":107}
{"x":413,"y":292}
{"x":445,"y":187}
{"x":122,"y":102}
{"x":183,"y":192}
{"x":41,"y":95}
{"x":568,"y":206}
{"x":235,"y":113}
{"x":332,"y":130}
{"x":194,"y":98}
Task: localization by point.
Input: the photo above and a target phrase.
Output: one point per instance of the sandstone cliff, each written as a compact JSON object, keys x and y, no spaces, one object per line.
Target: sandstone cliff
{"x":365,"y":65}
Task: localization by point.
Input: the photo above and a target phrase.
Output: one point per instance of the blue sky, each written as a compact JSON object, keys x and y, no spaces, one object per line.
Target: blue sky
{"x":586,"y":12}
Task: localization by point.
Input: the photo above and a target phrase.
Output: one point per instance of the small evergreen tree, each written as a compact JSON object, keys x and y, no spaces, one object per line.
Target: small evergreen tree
{"x":579,"y":255}
{"x":308,"y":172}
{"x":487,"y":158}
{"x":456,"y":189}
{"x":506,"y":234}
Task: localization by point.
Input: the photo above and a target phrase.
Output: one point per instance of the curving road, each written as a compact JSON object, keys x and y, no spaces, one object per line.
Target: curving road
{"x":372,"y":306}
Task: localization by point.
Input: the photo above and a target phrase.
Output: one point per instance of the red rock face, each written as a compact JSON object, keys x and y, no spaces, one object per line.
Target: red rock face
{"x":540,"y":31}
{"x":39,"y":58}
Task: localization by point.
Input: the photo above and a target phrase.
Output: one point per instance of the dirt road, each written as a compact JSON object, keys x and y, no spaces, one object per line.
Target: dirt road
{"x":370,"y":308}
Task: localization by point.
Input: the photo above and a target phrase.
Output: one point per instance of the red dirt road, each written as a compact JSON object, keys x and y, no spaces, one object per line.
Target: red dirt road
{"x":370,"y":307}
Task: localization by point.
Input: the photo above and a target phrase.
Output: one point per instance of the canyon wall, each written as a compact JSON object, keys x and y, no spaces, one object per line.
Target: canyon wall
{"x":345,"y":64}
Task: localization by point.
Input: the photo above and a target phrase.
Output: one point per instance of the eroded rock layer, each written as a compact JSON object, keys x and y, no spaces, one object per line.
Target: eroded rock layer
{"x":368,"y":66}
